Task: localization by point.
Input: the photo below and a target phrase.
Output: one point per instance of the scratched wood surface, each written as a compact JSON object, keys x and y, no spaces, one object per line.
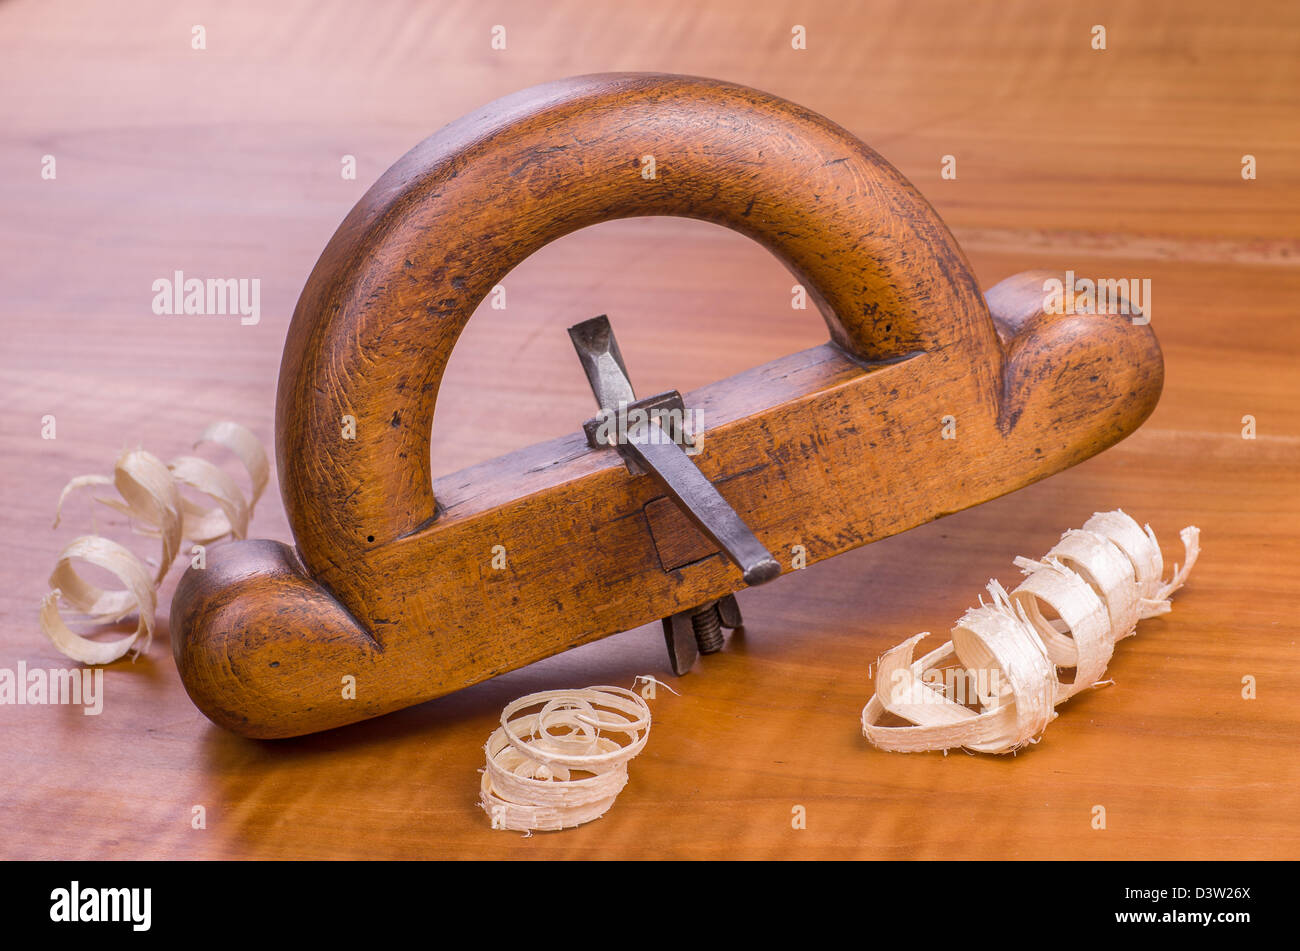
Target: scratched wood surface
{"x":225,"y":162}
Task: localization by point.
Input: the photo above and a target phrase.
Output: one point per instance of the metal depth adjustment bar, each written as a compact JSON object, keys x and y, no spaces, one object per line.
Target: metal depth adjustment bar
{"x":927,"y":398}
{"x":636,"y":428}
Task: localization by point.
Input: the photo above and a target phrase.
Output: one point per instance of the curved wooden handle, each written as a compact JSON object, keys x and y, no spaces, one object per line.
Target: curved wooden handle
{"x":394,"y":288}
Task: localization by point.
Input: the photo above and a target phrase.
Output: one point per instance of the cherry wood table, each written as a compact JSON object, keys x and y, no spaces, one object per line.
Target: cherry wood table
{"x":228,"y":161}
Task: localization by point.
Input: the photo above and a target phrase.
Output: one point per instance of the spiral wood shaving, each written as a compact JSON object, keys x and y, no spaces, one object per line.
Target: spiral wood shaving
{"x":150,"y":496}
{"x":559,"y":758}
{"x":1086,"y":594}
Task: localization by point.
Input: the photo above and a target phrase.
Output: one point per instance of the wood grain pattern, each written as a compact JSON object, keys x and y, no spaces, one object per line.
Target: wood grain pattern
{"x":226,"y":163}
{"x":398,"y":588}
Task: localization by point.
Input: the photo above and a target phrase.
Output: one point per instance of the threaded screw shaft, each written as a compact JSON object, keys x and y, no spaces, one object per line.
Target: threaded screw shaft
{"x":707,"y":624}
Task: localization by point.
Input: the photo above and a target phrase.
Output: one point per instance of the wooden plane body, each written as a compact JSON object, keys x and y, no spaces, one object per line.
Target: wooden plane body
{"x":929,"y":398}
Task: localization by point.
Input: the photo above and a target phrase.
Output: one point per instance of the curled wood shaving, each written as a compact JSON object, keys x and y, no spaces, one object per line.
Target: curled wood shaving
{"x":203,"y":526}
{"x":150,"y":496}
{"x":559,"y":758}
{"x":140,"y":594}
{"x":1075,"y":603}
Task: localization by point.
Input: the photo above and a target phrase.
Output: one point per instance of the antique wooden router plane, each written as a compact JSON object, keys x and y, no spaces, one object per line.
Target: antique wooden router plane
{"x":391,"y":581}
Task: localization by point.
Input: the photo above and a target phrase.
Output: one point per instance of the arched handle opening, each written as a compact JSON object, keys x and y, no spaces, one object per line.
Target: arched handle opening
{"x":377,"y":321}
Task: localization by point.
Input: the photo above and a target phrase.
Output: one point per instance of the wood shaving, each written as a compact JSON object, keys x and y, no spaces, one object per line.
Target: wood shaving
{"x":140,"y":594}
{"x":1082,"y":597}
{"x":150,"y":496}
{"x":560,"y":757}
